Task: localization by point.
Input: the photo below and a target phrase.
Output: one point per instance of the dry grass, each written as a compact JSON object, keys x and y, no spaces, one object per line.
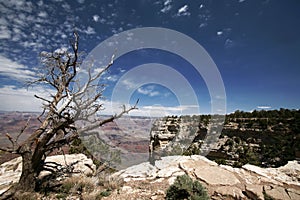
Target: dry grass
{"x":78,"y":185}
{"x":110,"y":182}
{"x":88,"y":188}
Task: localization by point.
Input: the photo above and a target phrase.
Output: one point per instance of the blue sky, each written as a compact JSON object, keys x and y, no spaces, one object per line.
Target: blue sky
{"x":255,"y":45}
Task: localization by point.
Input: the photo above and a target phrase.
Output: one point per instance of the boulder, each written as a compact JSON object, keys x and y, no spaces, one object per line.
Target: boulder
{"x":277,"y":192}
{"x":10,"y":171}
{"x":143,"y":170}
{"x":293,"y":193}
{"x":210,"y":174}
{"x":227,"y":192}
{"x":76,"y":163}
{"x":254,"y":192}
{"x":221,"y":181}
{"x":216,"y":176}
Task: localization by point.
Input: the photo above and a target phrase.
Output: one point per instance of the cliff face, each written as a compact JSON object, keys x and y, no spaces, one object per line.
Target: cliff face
{"x":238,"y":144}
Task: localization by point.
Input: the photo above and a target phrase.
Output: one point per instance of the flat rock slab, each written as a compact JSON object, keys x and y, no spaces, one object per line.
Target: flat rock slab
{"x":229,"y":192}
{"x":212,"y":175}
{"x":142,"y":170}
{"x":216,"y":176}
{"x":255,"y":192}
{"x":277,"y":192}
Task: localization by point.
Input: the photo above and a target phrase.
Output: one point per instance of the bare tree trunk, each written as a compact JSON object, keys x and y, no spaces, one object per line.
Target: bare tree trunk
{"x":32,"y":165}
{"x":70,"y":102}
{"x":27,"y":182}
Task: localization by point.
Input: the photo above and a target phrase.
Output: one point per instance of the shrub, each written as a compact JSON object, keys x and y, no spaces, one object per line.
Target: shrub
{"x":105,"y":193}
{"x":185,"y":188}
{"x":221,"y":161}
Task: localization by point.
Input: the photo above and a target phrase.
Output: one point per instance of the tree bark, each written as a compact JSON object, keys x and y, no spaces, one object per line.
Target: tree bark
{"x":28,"y":179}
{"x":32,"y":164}
{"x":27,"y":182}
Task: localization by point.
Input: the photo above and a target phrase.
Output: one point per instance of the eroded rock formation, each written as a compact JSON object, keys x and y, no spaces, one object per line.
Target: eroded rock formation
{"x":221,"y":181}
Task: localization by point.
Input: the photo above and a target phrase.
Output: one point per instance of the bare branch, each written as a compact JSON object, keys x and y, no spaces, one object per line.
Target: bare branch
{"x":22,"y":131}
{"x":7,"y":150}
{"x":65,"y":104}
{"x":112,"y":118}
{"x":38,"y":97}
{"x":61,"y":142}
{"x":39,"y":117}
{"x":69,"y":103}
{"x":10,"y":139}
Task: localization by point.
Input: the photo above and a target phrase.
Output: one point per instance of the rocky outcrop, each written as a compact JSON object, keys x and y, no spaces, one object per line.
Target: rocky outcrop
{"x":243,"y":139}
{"x":222,"y":182}
{"x":162,"y":133}
{"x":146,"y":181}
{"x":10,"y":171}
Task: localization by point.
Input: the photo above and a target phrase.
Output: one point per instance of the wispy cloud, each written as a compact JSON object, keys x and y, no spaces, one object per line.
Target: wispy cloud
{"x":112,"y":108}
{"x":14,"y":70}
{"x":183,"y":11}
{"x":21,"y":99}
{"x":149,"y":91}
{"x":167,"y":6}
{"x":129,"y":84}
{"x":89,"y":30}
{"x":158,"y":110}
{"x":96,"y":18}
{"x":112,"y":78}
{"x":264,"y":107}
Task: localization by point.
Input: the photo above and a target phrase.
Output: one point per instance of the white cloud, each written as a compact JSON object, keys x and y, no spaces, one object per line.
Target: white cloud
{"x":89,"y":30}
{"x":219,"y":32}
{"x":112,"y":78}
{"x":112,"y":108}
{"x":129,"y":84}
{"x":96,"y":18}
{"x":66,"y":6}
{"x":264,"y":107}
{"x":20,"y":17}
{"x":4,"y":33}
{"x":43,"y":14}
{"x":228,"y":43}
{"x":167,"y":6}
{"x":15,"y":71}
{"x":158,"y":110}
{"x":202,"y":25}
{"x":21,"y":99}
{"x":148,"y":91}
{"x":183,"y":11}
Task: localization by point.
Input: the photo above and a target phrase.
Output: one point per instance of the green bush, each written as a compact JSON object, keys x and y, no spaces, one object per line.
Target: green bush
{"x":221,"y":161}
{"x":105,"y":193}
{"x":185,"y":188}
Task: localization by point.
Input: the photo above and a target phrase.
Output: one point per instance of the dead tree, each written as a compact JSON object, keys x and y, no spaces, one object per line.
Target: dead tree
{"x":71,"y":102}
